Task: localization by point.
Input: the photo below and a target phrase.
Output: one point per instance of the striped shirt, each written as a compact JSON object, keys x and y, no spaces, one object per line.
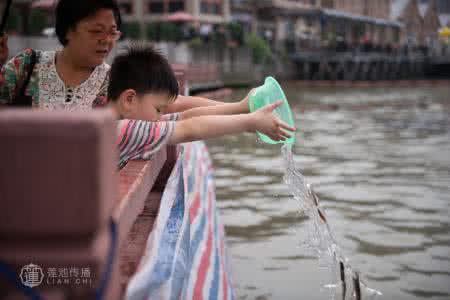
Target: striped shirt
{"x":139,"y":139}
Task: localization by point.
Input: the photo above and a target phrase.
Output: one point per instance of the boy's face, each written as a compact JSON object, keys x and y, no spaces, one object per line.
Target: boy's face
{"x":147,"y":107}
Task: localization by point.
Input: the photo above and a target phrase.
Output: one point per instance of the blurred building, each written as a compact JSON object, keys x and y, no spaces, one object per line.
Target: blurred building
{"x":315,"y":23}
{"x":407,"y":12}
{"x":361,"y":21}
{"x":421,"y":21}
{"x":202,"y":11}
{"x":244,"y":12}
{"x":429,"y":34}
{"x":291,"y":22}
{"x":444,"y":12}
{"x":277,"y":19}
{"x":444,"y":19}
{"x":444,"y":6}
{"x":298,"y":23}
{"x":377,"y":9}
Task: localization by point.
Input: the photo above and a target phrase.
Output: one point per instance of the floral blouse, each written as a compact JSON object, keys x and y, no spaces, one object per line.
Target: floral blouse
{"x":47,"y":89}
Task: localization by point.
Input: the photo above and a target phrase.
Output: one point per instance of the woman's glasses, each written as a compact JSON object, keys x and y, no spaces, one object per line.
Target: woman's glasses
{"x":97,"y":34}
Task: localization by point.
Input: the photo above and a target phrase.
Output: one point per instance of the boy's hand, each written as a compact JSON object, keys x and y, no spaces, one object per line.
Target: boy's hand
{"x":4,"y":51}
{"x":266,"y":122}
{"x":244,"y":103}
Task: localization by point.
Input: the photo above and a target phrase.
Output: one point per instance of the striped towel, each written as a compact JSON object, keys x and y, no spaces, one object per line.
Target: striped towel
{"x":186,"y":254}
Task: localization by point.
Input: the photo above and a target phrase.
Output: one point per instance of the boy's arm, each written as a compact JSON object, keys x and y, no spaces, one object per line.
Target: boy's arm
{"x":240,"y":107}
{"x":206,"y":127}
{"x":184,"y":103}
{"x":223,"y":109}
{"x":139,"y":139}
{"x":187,"y":102}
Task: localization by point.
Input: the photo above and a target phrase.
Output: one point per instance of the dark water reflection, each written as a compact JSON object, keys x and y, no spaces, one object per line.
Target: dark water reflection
{"x":379,"y":159}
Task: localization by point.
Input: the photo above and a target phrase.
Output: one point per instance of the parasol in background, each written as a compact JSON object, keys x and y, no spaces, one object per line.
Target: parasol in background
{"x":5,"y":17}
{"x":445,"y":32}
{"x":180,"y":17}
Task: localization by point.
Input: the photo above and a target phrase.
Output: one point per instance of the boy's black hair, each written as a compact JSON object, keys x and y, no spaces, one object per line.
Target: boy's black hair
{"x":70,"y":12}
{"x":144,"y":70}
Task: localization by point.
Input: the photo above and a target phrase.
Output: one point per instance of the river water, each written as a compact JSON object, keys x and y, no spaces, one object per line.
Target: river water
{"x":379,"y":159}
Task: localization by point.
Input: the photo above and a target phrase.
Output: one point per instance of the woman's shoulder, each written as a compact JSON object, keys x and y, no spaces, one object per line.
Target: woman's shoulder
{"x":18,"y":63}
{"x":21,"y":58}
{"x":24,"y":57}
{"x":28,"y":52}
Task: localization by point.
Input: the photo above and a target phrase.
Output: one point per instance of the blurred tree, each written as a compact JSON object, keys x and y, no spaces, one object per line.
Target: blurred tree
{"x":152,"y":31}
{"x":37,"y":22}
{"x":289,"y":45}
{"x":170,"y":32}
{"x":259,"y":47}
{"x":219,"y":37}
{"x":236,"y":32}
{"x":14,"y":20}
{"x":132,"y":30}
{"x":195,"y":42}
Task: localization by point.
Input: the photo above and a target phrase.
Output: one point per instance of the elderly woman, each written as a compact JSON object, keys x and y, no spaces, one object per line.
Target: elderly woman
{"x":76,"y":77}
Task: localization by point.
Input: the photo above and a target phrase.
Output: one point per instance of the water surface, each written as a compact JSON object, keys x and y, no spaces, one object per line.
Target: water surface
{"x":379,"y":160}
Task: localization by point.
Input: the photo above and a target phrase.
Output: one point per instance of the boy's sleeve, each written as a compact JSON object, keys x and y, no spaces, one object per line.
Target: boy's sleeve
{"x":170,"y":117}
{"x":12,"y":74}
{"x":139,"y":139}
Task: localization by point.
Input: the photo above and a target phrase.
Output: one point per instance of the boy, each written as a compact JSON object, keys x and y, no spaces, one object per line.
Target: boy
{"x":141,"y":86}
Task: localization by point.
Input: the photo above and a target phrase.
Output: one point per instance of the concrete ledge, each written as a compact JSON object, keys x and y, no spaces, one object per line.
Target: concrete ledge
{"x":58,"y":173}
{"x":136,"y":181}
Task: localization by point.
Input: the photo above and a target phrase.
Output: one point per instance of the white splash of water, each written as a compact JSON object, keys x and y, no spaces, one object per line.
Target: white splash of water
{"x":320,"y":240}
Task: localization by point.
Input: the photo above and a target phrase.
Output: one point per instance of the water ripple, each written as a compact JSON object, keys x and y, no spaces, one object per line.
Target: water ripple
{"x":379,"y":161}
